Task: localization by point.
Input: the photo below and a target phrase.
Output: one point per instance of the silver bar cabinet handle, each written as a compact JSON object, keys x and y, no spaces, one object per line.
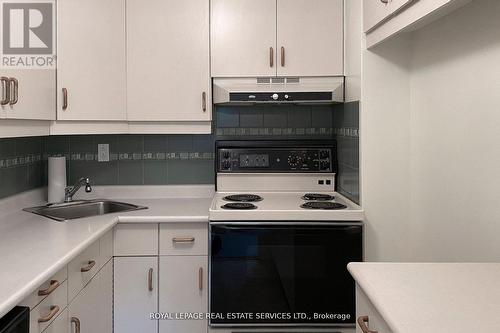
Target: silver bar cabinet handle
{"x":5,"y":88}
{"x":150,"y":279}
{"x":183,"y":239}
{"x":362,"y":322}
{"x":271,"y":57}
{"x":54,"y":309}
{"x":282,"y":56}
{"x":14,"y":84}
{"x":384,"y":1}
{"x":200,"y":278}
{"x":65,"y":98}
{"x":76,"y":321}
{"x":204,"y":101}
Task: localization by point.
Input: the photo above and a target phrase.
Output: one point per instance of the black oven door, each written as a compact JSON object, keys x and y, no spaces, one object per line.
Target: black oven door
{"x":266,"y":275}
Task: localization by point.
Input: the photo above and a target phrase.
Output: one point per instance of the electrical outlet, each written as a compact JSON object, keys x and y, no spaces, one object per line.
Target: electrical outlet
{"x":103,"y":152}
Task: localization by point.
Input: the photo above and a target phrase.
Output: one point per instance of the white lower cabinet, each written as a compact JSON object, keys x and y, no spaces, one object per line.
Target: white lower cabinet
{"x":135,"y":294}
{"x":90,"y":311}
{"x":183,"y":289}
{"x":176,"y":283}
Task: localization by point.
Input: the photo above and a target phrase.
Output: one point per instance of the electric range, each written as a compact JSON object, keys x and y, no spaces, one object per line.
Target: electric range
{"x":281,"y":238}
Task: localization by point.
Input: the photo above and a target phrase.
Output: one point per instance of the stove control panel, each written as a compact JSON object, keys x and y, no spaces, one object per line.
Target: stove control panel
{"x":276,"y":160}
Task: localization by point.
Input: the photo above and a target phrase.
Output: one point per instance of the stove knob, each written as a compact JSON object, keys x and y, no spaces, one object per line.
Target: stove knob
{"x":324,"y":154}
{"x":275,"y":97}
{"x":287,"y":97}
{"x":324,"y":165}
{"x":226,"y":165}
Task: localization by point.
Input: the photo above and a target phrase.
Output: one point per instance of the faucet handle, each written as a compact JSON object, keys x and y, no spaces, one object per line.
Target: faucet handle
{"x":88,"y":188}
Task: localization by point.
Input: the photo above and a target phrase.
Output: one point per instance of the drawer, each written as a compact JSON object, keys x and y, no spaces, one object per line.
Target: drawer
{"x":136,"y":239}
{"x":60,"y":324}
{"x":49,"y":309}
{"x":82,"y":269}
{"x":184,"y":239}
{"x":47,"y":288}
{"x":105,"y":248}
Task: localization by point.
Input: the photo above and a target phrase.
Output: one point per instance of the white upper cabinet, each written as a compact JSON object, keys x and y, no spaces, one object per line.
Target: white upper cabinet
{"x":398,"y":4}
{"x":277,"y":37}
{"x":386,"y":18}
{"x":91,"y":60}
{"x":28,"y":94}
{"x":243,"y":38}
{"x":168,"y":66}
{"x":310,"y":38}
{"x":374,"y":12}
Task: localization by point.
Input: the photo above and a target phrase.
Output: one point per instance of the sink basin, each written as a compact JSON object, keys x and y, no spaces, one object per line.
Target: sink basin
{"x":79,"y":209}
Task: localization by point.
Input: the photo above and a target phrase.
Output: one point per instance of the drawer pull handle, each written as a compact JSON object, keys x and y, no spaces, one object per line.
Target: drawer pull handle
{"x":76,"y":321}
{"x":150,"y":279}
{"x":54,"y":309}
{"x":65,"y":99}
{"x":88,"y":267}
{"x":271,"y":57}
{"x":384,"y":1}
{"x":362,"y":322}
{"x":282,"y":56}
{"x":183,"y":240}
{"x":53,"y":286}
{"x":15,"y":91}
{"x":5,"y":90}
{"x":204,"y":101}
{"x":200,"y":278}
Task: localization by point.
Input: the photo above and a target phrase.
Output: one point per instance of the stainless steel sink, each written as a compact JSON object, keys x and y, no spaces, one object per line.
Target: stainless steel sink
{"x":79,"y":209}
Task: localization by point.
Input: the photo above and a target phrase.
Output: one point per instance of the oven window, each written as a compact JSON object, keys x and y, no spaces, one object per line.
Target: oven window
{"x":283,"y":275}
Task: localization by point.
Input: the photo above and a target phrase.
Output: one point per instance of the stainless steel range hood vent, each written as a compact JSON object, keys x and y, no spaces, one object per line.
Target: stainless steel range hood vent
{"x":294,"y":90}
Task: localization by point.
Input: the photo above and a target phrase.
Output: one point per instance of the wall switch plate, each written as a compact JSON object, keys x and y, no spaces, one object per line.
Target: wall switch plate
{"x":103,"y":152}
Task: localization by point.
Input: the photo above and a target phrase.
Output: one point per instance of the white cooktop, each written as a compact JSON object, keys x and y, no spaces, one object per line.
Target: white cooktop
{"x":283,"y":206}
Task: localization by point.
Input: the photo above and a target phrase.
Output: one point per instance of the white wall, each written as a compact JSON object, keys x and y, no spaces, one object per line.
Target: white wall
{"x":385,"y":169}
{"x":455,"y":136}
{"x":431,"y":141}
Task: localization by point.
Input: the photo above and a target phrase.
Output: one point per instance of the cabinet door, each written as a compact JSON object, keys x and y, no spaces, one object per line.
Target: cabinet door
{"x":134,"y":296}
{"x":91,"y":59}
{"x":375,"y":11}
{"x":310,"y":38}
{"x":168,"y":66}
{"x":35,"y":94}
{"x":183,"y":288}
{"x":243,"y":38}
{"x":396,"y":5}
{"x":106,"y":298}
{"x":85,"y":311}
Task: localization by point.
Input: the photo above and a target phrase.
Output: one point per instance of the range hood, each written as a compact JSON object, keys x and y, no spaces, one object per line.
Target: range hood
{"x":303,"y":90}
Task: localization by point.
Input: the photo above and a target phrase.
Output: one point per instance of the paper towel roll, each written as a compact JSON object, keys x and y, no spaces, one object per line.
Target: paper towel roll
{"x":57,"y":179}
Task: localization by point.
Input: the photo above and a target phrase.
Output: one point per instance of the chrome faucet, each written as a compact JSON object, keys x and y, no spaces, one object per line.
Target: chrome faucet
{"x":70,"y":191}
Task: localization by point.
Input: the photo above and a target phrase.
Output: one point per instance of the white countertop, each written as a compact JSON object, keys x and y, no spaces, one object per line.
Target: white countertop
{"x":33,"y":248}
{"x":439,"y":297}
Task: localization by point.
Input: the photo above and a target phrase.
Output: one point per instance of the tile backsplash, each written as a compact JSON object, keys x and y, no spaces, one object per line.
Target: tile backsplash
{"x":346,"y":128}
{"x":136,"y":159}
{"x":21,"y":165}
{"x":181,"y":159}
{"x":278,"y":121}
